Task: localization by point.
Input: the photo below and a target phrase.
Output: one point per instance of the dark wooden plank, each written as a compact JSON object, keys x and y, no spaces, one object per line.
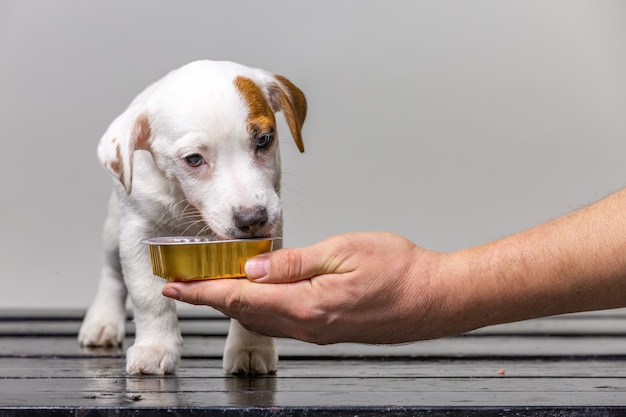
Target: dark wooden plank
{"x":201,"y":383}
{"x":112,"y":367}
{"x":468,"y":347}
{"x":314,"y":392}
{"x":323,"y":411}
{"x":216,"y":326}
{"x":16,"y":328}
{"x":197,"y":322}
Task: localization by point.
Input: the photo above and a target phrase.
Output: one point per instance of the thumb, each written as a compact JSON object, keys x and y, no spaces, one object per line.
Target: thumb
{"x":286,"y":265}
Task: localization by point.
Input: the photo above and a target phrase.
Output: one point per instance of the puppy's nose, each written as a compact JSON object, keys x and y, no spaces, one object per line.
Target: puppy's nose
{"x":249,"y":220}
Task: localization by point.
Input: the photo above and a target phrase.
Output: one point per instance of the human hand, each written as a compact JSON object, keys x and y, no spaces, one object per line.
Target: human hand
{"x":358,"y":287}
{"x":382,"y":288}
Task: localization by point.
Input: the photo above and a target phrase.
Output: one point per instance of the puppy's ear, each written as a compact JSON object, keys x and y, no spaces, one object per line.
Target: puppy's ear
{"x":128,"y":132}
{"x":285,"y":96}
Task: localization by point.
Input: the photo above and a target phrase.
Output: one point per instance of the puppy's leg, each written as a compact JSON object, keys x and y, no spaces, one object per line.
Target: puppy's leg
{"x":103,"y":324}
{"x":249,"y":353}
{"x":158,"y":343}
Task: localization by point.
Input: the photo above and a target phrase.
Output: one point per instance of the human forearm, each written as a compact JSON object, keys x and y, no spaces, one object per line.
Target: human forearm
{"x":574,"y":263}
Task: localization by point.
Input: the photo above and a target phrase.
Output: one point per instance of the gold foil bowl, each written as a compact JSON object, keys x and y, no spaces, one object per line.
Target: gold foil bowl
{"x":185,"y":258}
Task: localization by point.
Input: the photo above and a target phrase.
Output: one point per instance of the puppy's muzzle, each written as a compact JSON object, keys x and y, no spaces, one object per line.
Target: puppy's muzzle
{"x":251,"y":221}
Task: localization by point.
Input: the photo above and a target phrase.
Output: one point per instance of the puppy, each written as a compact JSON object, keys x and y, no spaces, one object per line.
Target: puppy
{"x":196,"y":153}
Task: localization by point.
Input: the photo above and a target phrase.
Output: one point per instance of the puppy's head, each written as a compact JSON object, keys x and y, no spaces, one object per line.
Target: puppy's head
{"x":211,"y":131}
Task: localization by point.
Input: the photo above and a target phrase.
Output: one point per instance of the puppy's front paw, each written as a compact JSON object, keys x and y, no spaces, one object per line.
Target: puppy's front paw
{"x":151,"y":359}
{"x":102,"y":329}
{"x":251,"y":360}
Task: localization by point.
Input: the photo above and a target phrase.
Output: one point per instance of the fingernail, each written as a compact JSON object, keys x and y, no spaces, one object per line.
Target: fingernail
{"x":257,"y":267}
{"x":171,"y":292}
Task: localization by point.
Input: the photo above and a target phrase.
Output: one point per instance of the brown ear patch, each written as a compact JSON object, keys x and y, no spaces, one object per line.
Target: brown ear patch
{"x":260,"y":115}
{"x":293,"y":100}
{"x":117,"y":165}
{"x":285,"y":96}
{"x":141,"y":132}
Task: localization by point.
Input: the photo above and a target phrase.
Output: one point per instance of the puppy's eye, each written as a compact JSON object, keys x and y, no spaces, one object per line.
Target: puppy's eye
{"x":264,"y":141}
{"x":194,"y":160}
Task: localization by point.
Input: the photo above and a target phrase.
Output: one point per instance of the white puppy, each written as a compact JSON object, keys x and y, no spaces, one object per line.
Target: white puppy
{"x":196,"y":153}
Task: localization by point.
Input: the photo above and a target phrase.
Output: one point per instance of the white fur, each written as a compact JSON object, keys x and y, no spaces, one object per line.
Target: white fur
{"x":196,"y":109}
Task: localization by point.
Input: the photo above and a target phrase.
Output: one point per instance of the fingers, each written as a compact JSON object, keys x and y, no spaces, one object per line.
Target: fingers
{"x":293,"y":264}
{"x":233,"y":297}
{"x":265,"y":309}
{"x":283,"y":265}
{"x":220,"y":294}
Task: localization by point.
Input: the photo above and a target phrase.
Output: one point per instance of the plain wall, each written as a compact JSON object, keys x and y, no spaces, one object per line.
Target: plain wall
{"x":451,"y":122}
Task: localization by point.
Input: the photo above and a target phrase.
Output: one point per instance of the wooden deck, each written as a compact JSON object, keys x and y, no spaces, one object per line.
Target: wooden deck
{"x":566,"y":365}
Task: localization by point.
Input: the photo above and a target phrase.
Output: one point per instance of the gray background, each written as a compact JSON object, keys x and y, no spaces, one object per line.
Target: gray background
{"x":450,"y":122}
